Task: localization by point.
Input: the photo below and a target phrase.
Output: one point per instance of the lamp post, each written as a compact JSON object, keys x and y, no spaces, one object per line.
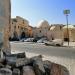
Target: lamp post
{"x":67,"y":12}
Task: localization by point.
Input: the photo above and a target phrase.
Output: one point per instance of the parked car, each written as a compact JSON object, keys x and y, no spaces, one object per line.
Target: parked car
{"x":36,"y":39}
{"x":29,"y":40}
{"x":22,"y":40}
{"x":42,"y":40}
{"x":56,"y":42}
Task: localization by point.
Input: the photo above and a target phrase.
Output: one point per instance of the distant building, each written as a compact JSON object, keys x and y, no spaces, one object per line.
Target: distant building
{"x":55,"y":32}
{"x":71,"y":30}
{"x":41,"y":29}
{"x":20,"y":28}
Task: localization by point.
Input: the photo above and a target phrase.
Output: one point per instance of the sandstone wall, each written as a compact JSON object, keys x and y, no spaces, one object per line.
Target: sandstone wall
{"x":5,"y":14}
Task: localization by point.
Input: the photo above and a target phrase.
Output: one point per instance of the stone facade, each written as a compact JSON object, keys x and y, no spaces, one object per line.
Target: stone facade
{"x":20,"y":28}
{"x":71,"y":30}
{"x":59,"y":31}
{"x":41,"y":29}
{"x":55,"y":32}
{"x":5,"y":14}
{"x":51,"y":32}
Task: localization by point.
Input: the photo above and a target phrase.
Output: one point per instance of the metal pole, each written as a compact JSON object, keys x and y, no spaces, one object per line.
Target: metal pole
{"x":67,"y":28}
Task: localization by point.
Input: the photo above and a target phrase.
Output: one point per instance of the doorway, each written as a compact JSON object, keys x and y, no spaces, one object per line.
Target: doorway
{"x":22,"y":35}
{"x":66,"y":39}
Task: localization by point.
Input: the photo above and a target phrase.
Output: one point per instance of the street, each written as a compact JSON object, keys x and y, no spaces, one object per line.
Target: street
{"x":61,"y":55}
{"x":44,"y":50}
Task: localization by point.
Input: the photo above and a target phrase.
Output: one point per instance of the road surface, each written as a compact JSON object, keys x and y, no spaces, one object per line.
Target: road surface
{"x":61,"y":55}
{"x":44,"y":50}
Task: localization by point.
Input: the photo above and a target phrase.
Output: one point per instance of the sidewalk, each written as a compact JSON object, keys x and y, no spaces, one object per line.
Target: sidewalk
{"x":71,"y":44}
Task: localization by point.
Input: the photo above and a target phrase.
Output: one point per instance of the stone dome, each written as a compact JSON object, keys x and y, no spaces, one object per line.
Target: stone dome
{"x":43,"y":23}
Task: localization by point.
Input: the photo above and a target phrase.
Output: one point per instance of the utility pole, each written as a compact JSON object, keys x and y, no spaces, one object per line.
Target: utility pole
{"x":67,"y":12}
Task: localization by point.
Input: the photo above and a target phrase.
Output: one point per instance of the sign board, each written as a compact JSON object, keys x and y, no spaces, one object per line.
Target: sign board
{"x":66,"y":12}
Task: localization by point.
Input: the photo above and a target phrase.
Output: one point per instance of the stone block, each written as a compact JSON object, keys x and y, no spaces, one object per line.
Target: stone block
{"x":38,"y":67}
{"x":5,"y":71}
{"x":21,"y":55}
{"x":64,"y":71}
{"x":16,"y":71}
{"x":47,"y":66}
{"x":12,"y":59}
{"x":8,"y":66}
{"x":21,"y":62}
{"x":39,"y":57}
{"x":57,"y":69}
{"x":28,"y":70}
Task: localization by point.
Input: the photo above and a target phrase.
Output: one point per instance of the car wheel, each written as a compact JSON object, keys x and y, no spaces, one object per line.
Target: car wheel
{"x":58,"y":45}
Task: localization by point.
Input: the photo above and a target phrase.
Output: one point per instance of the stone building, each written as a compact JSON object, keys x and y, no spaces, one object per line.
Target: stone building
{"x":55,"y":32}
{"x":20,"y":28}
{"x":41,"y":29}
{"x":59,"y":31}
{"x":71,"y":31}
{"x":5,"y":14}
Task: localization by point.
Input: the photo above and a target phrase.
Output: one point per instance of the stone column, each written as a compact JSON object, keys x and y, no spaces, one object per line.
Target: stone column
{"x":5,"y":16}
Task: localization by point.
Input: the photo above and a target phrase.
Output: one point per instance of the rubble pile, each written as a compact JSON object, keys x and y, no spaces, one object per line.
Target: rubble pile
{"x":19,"y":64}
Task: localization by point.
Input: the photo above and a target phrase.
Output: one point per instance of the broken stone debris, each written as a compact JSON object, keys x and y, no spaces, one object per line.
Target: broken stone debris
{"x":5,"y":71}
{"x":16,"y":71}
{"x":19,"y":64}
{"x":28,"y":70}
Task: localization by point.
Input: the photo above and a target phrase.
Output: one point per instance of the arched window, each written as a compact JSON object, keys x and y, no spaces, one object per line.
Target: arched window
{"x":18,"y":26}
{"x":23,"y":21}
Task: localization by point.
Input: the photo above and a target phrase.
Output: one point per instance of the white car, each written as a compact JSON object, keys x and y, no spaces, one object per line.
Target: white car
{"x":29,"y":40}
{"x":22,"y":40}
{"x":56,"y":42}
{"x":42,"y":40}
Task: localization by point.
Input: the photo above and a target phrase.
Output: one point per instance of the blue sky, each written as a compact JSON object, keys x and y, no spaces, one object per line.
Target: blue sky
{"x":50,"y":10}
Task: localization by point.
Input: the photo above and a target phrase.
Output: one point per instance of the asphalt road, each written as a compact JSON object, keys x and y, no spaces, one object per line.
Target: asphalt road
{"x":44,"y":50}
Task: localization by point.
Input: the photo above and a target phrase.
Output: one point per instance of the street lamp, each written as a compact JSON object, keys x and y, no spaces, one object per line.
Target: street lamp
{"x":67,"y":12}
